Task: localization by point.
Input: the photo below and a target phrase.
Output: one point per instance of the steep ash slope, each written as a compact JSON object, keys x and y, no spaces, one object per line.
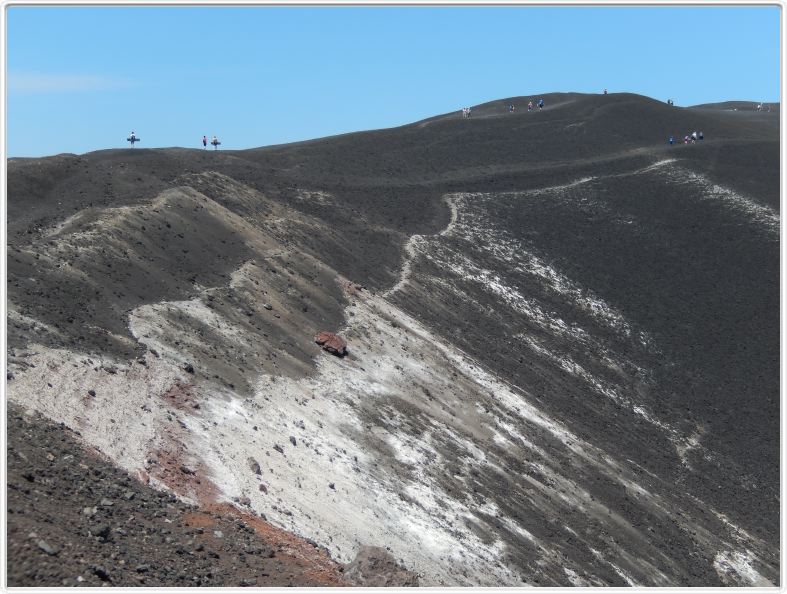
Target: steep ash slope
{"x":565,"y":369}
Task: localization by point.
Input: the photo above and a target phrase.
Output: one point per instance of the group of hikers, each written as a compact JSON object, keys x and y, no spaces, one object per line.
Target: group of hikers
{"x":466,"y":111}
{"x":132,"y":138}
{"x":215,"y":142}
{"x":689,"y":138}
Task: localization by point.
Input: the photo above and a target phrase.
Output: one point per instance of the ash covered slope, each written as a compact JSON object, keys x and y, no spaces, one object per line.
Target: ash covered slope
{"x":570,"y":319}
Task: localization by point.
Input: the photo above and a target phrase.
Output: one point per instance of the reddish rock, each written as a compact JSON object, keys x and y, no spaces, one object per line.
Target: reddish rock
{"x":332,"y":343}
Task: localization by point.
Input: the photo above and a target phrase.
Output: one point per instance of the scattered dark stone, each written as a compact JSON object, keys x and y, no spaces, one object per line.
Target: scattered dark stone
{"x":102,"y":531}
{"x":189,"y":368}
{"x":268,"y":306}
{"x":278,"y":448}
{"x":293,"y":441}
{"x":331,"y":486}
{"x":100,"y":573}
{"x":186,"y":470}
{"x":254,"y":466}
{"x":91,"y":392}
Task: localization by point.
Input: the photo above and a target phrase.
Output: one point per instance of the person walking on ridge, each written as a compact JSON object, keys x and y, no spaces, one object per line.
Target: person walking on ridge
{"x":204,"y":142}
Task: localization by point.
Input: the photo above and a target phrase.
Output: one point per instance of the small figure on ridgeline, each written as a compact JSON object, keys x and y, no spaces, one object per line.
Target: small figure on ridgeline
{"x":671,"y":140}
{"x":215,"y":142}
{"x":670,"y":102}
{"x":530,"y":105}
{"x":694,"y":137}
{"x":686,"y":139}
{"x":701,"y":136}
{"x":132,"y":138}
{"x":511,"y":108}
{"x":605,"y":91}
{"x":204,"y":142}
{"x":540,"y":104}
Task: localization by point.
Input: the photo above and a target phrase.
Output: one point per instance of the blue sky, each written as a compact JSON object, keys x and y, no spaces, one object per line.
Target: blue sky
{"x":81,"y":78}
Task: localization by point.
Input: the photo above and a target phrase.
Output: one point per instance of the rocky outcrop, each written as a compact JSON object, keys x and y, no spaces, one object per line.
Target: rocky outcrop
{"x":333,"y":343}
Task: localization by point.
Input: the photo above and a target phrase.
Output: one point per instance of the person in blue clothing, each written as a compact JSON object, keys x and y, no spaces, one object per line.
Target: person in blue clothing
{"x":671,"y":140}
{"x":540,"y":104}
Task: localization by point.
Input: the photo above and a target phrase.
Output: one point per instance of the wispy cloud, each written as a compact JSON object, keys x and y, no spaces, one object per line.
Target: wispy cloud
{"x":36,"y":82}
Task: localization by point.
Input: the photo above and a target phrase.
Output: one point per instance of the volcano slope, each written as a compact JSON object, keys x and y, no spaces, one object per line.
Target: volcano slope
{"x":563,"y":368}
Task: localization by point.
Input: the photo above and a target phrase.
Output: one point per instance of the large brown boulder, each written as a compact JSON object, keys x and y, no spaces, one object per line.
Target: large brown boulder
{"x":333,"y":343}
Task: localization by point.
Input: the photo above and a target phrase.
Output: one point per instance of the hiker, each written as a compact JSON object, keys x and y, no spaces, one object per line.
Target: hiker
{"x":204,"y":142}
{"x":511,"y":108}
{"x":540,"y":104}
{"x":694,"y":137}
{"x":215,"y":142}
{"x":605,"y":91}
{"x":701,"y":135}
{"x":530,"y":106}
{"x":686,"y":139}
{"x":671,"y":140}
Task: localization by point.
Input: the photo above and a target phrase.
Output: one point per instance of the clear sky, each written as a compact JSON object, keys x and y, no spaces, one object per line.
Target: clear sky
{"x":81,"y":78}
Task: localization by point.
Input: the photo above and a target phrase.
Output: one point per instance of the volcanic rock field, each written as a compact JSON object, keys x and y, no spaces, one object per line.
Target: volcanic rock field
{"x":562,"y":359}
